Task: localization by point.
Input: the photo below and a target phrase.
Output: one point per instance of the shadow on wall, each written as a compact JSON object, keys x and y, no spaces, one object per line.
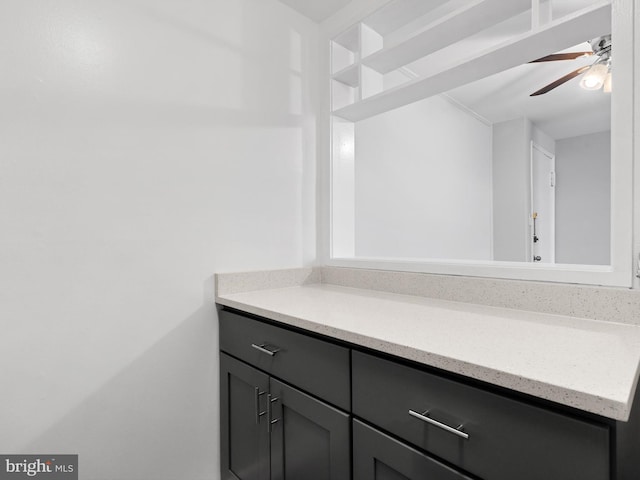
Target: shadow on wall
{"x":162,"y":407}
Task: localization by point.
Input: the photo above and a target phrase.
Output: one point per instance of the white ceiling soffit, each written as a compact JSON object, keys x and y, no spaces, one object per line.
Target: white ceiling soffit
{"x":316,"y":10}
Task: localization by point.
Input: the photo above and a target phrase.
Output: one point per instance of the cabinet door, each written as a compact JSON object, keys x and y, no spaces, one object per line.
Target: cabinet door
{"x":243,"y":427}
{"x":377,"y":456}
{"x":310,"y":439}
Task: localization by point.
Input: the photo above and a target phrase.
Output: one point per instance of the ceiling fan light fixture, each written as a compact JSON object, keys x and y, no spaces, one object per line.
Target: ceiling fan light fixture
{"x":594,"y":78}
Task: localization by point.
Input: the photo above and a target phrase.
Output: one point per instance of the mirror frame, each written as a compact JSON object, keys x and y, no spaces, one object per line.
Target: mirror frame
{"x":619,"y":273}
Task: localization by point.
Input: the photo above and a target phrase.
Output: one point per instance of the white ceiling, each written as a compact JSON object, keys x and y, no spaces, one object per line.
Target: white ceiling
{"x":566,"y":111}
{"x":316,"y":10}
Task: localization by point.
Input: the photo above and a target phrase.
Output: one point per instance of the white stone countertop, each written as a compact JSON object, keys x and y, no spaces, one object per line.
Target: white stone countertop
{"x":586,"y":364}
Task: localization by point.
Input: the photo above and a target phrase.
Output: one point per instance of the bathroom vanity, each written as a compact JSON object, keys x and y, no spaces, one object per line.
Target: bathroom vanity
{"x":320,"y":381}
{"x":362,"y":370}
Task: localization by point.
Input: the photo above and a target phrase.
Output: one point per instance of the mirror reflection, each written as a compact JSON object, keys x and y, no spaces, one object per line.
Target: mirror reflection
{"x":513,"y":167}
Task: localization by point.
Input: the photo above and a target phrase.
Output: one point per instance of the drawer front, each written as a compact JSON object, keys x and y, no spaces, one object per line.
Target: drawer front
{"x":377,"y":456}
{"x":318,"y":367}
{"x":507,"y":439}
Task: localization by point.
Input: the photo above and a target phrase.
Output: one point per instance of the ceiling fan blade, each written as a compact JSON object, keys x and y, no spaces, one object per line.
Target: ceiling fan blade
{"x":562,"y":56}
{"x":560,"y":81}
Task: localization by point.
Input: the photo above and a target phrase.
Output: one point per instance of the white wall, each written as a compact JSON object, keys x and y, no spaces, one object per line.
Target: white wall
{"x":144,"y":145}
{"x":636,"y":160}
{"x":511,"y":173}
{"x":423,"y":183}
{"x":342,"y":188}
{"x":542,"y":139}
{"x":583,"y":199}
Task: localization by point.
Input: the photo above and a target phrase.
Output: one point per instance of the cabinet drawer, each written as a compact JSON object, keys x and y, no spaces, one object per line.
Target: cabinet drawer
{"x":507,"y":439}
{"x":377,"y":456}
{"x":313,"y":365}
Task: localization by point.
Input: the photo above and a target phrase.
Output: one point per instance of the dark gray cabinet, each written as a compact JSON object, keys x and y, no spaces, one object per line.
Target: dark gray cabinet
{"x":314,"y":366}
{"x":296,"y":406}
{"x":493,"y":436}
{"x":243,"y":432}
{"x":377,"y":456}
{"x":273,"y":430}
{"x":310,"y":439}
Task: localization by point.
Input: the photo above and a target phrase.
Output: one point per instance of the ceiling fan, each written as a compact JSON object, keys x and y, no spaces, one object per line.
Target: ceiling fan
{"x":596,"y":75}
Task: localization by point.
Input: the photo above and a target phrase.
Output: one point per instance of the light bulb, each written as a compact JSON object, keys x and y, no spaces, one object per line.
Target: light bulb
{"x":607,"y":83}
{"x":594,"y":78}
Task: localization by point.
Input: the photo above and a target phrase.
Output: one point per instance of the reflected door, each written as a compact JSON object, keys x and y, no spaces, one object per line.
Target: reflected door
{"x":543,"y":205}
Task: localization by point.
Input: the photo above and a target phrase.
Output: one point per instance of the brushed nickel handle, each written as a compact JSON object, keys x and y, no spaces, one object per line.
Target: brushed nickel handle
{"x":425,"y":418}
{"x":263,"y":348}
{"x":257,"y":398}
{"x":270,"y":420}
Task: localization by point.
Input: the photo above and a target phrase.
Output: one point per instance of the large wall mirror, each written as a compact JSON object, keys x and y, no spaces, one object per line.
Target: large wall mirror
{"x":486,"y":139}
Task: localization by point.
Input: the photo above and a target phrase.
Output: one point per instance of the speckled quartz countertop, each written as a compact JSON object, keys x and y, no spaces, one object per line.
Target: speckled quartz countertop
{"x":587,"y":364}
